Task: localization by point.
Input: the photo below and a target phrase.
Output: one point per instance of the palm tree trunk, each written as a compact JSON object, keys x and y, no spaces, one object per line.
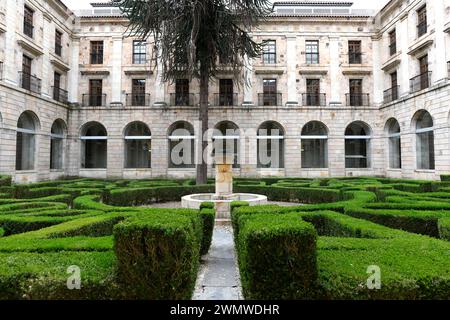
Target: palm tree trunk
{"x":202,"y":168}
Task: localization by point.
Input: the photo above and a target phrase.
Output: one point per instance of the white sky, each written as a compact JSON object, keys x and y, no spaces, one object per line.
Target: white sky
{"x":83,"y":4}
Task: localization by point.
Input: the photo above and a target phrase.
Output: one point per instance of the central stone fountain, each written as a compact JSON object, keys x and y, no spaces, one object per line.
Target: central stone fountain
{"x":224,"y":195}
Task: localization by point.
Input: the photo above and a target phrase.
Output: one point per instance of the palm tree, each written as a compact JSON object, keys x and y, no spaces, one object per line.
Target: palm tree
{"x":193,"y":37}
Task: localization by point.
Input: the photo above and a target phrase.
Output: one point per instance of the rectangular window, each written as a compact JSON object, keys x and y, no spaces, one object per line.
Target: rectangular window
{"x":312,"y":52}
{"x":96,"y":52}
{"x":56,"y":86}
{"x":58,"y":43}
{"x":28,"y":28}
{"x":393,"y":42}
{"x":182,"y":95}
{"x":313,"y":92}
{"x":26,"y":72}
{"x":138,"y":92}
{"x":270,"y":52}
{"x":394,"y":85}
{"x":270,"y":96}
{"x":354,"y":52}
{"x":139,"y":52}
{"x":226,"y":92}
{"x":356,"y":96}
{"x":424,"y":75}
{"x":422,"y":26}
{"x":95,"y":93}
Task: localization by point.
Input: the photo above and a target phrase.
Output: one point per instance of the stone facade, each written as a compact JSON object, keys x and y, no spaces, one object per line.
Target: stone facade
{"x":290,"y":26}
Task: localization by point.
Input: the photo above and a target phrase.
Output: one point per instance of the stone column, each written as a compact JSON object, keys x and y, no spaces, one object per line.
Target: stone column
{"x":74,"y":71}
{"x":160,"y":98}
{"x":377,"y":72}
{"x":291,"y":57}
{"x":334,"y":71}
{"x":248,"y":85}
{"x":11,"y":64}
{"x":440,"y":68}
{"x":116,"y":79}
{"x":47,"y":75}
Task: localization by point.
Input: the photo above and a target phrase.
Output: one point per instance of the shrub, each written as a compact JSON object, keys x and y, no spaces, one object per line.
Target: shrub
{"x":5,"y":181}
{"x":445,"y":177}
{"x":444,"y":228}
{"x":277,"y":257}
{"x":208,"y":217}
{"x":157,"y":256}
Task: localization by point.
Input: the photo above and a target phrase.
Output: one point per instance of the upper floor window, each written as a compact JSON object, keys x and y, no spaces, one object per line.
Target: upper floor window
{"x":270,"y":52}
{"x":354,"y":52}
{"x":312,"y":52}
{"x":28,"y":22}
{"x":393,"y":42}
{"x":422,"y":27}
{"x":96,"y":52}
{"x":139,"y":52}
{"x":58,"y":43}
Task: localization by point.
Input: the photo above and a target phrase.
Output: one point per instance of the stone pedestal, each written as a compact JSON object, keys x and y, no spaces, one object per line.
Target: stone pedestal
{"x":224,"y":185}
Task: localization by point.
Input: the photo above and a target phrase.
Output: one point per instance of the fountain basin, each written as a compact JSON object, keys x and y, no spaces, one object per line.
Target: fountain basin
{"x":222,"y":206}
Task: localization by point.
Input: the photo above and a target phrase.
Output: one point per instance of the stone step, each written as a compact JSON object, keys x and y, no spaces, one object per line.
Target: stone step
{"x":223,"y":222}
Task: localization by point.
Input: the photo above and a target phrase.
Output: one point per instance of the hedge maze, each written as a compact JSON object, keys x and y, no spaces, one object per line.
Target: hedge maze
{"x":321,"y":250}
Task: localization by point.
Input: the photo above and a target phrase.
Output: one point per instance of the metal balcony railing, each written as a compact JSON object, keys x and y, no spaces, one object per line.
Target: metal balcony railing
{"x":421,"y":82}
{"x":60,"y":95}
{"x":225,"y":99}
{"x":314,"y":99}
{"x":94,"y":100}
{"x":28,"y":29}
{"x":96,"y":58}
{"x":270,"y":99}
{"x":393,"y":48}
{"x":182,"y":99}
{"x":1,"y":70}
{"x":355,"y":58}
{"x":30,"y":83}
{"x":422,"y":28}
{"x":138,"y":100}
{"x":358,"y":99}
{"x":391,"y":94}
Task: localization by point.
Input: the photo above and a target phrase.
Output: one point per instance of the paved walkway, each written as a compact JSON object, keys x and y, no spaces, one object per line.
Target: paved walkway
{"x":218,"y":278}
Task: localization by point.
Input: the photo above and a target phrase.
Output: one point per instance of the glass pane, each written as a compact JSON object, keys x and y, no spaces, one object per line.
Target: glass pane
{"x":425,"y":151}
{"x":25,"y":151}
{"x":395,"y":153}
{"x":95,"y":154}
{"x":314,"y":153}
{"x":356,"y":153}
{"x":56,"y":154}
{"x":271,"y":153}
{"x":138,"y":154}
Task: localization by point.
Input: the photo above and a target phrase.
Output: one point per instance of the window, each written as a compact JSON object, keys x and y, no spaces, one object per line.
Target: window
{"x":270,"y":52}
{"x":57,"y":145}
{"x":270,"y":95}
{"x":314,"y":146}
{"x":95,"y":93}
{"x":354,"y":52}
{"x":357,"y":146}
{"x":424,"y":77}
{"x":356,"y":96}
{"x":313,"y":92}
{"x":395,"y":146}
{"x":270,"y":145}
{"x":138,"y":95}
{"x":422,"y":26}
{"x":226,"y":93}
{"x":138,"y":146}
{"x":139,"y":52}
{"x":393,"y":42}
{"x":96,"y":52}
{"x":28,"y":28}
{"x":394,"y":85}
{"x":26,"y":141}
{"x":58,"y":93}
{"x":312,"y":52}
{"x":425,"y":141}
{"x":58,"y":43}
{"x":182,"y":96}
{"x":226,"y":140}
{"x":181,"y":146}
{"x":26,"y":72}
{"x":94,"y":143}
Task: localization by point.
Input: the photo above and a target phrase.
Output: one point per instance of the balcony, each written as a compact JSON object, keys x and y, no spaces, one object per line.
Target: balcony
{"x":137,"y":100}
{"x":225,"y":99}
{"x":314,"y":99}
{"x":94,"y":100}
{"x":448,"y":69}
{"x":182,"y":99}
{"x":270,"y":99}
{"x":1,"y":70}
{"x":358,"y":99}
{"x":30,"y":83}
{"x":28,"y":29}
{"x":422,"y":28}
{"x":391,"y":94}
{"x":60,"y":95}
{"x":421,"y":82}
{"x":58,"y":50}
